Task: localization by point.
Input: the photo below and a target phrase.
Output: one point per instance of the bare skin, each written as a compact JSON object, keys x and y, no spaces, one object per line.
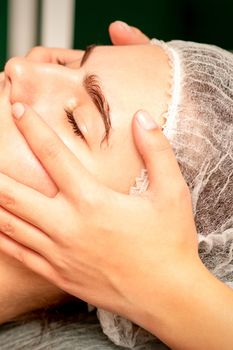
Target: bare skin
{"x":20,"y":296}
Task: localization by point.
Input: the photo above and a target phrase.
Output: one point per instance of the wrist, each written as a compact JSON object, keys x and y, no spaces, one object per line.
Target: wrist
{"x":157,"y":287}
{"x":160,"y":296}
{"x":194,"y":310}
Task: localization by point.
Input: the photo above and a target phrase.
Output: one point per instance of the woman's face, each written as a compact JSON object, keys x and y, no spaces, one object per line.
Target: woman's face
{"x":129,"y":78}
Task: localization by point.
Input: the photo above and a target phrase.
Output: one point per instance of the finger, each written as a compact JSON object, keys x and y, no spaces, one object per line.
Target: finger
{"x":163,"y":170}
{"x":28,"y":204}
{"x":54,"y":55}
{"x":61,"y":164}
{"x":123,"y":34}
{"x":28,"y":258}
{"x":26,"y":234}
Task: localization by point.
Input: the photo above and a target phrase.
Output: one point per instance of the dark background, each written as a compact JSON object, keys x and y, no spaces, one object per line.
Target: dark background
{"x":206,"y":21}
{"x":196,"y":20}
{"x":3,"y":32}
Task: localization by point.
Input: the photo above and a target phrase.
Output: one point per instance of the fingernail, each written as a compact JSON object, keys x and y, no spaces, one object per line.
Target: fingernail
{"x":124,"y":25}
{"x":18,"y":110}
{"x":146,"y":121}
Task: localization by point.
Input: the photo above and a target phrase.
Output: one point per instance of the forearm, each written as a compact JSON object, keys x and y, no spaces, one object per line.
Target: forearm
{"x":196,"y":312}
{"x":22,"y":291}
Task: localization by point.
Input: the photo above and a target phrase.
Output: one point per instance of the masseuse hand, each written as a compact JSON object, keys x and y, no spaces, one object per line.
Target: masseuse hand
{"x":99,"y":245}
{"x":120,"y":34}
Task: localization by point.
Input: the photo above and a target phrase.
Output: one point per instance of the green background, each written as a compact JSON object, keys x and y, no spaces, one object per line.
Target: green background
{"x":200,"y":20}
{"x":196,"y":20}
{"x":3,"y":32}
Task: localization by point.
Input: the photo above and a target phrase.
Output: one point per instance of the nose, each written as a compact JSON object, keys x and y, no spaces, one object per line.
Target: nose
{"x":30,"y":81}
{"x":14,"y":67}
{"x":19,"y":73}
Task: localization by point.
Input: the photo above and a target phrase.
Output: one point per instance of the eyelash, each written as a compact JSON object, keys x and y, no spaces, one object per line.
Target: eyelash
{"x":72,"y":121}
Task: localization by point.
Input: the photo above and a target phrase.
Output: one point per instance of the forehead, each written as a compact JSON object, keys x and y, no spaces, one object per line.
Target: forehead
{"x":127,"y":59}
{"x":131,"y":77}
{"x":129,"y":67}
{"x":119,"y":55}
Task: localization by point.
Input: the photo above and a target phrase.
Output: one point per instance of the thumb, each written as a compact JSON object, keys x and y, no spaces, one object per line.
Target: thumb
{"x":159,"y":158}
{"x":123,"y":34}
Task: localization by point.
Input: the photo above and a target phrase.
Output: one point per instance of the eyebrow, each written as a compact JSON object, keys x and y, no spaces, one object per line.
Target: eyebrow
{"x":92,"y":87}
{"x":89,"y":49}
{"x":91,"y":84}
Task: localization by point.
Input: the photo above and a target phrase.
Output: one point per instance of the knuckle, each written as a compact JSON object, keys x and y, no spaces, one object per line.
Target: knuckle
{"x":181,"y":193}
{"x":89,"y":202}
{"x":19,"y":255}
{"x":6,"y":200}
{"x":161,"y":150}
{"x":62,"y":264}
{"x":34,"y":51}
{"x":49,"y":149}
{"x":178,"y":195}
{"x":158,"y":145}
{"x":63,"y":237}
{"x":7,"y":228}
{"x":165,"y":148}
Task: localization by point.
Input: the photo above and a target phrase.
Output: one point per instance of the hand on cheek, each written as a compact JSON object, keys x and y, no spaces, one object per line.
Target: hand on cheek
{"x":120,"y":34}
{"x":54,"y":55}
{"x":99,"y":245}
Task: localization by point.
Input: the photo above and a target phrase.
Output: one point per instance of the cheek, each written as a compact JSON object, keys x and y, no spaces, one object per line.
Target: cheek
{"x":26,"y":170}
{"x":118,"y":166}
{"x":18,"y":162}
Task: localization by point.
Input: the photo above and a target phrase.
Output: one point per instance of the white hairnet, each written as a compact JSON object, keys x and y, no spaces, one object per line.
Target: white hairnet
{"x":200,"y":128}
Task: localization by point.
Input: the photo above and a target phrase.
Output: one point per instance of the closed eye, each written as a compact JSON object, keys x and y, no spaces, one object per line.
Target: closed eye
{"x":74,"y":124}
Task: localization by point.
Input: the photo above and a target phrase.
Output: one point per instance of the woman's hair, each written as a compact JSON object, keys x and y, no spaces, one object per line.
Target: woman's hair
{"x":200,"y":128}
